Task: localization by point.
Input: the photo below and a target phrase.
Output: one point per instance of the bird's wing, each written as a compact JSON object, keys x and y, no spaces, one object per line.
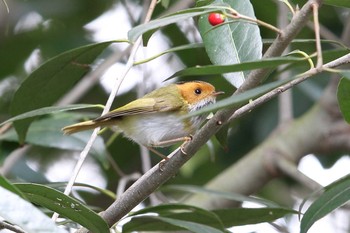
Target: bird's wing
{"x":144,"y":106}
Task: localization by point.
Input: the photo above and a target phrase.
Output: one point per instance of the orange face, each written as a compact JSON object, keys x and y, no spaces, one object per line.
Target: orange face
{"x":196,"y":91}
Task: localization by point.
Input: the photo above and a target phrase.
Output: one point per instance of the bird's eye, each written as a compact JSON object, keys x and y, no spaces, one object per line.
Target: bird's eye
{"x":198,"y":91}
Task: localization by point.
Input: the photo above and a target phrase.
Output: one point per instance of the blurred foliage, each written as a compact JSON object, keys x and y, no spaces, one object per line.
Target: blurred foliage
{"x":59,"y":25}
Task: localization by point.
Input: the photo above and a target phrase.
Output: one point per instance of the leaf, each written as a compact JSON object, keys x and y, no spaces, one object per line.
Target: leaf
{"x":10,"y":187}
{"x":178,"y":214}
{"x":49,"y":110}
{"x":343,"y":94}
{"x":179,"y":16}
{"x":335,"y":195}
{"x":339,"y":3}
{"x":175,"y":217}
{"x":153,"y":223}
{"x":232,"y":42}
{"x":52,"y":80}
{"x":25,"y":215}
{"x":65,"y":206}
{"x":244,"y":66}
{"x":239,"y":99}
{"x":191,"y":226}
{"x":47,"y":132}
{"x":219,"y":194}
{"x":245,"y":216}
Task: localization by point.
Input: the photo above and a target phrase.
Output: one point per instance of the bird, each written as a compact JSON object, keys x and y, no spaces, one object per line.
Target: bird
{"x":158,"y":118}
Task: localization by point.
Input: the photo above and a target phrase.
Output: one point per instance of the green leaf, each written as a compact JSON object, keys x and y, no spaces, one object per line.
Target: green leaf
{"x":25,"y":215}
{"x":335,"y":195}
{"x":234,"y":41}
{"x":343,"y":94}
{"x":49,"y":110}
{"x":191,"y":226}
{"x":239,"y":99}
{"x":244,"y":66}
{"x":179,"y":16}
{"x":219,"y":194}
{"x":51,"y":81}
{"x":162,"y":224}
{"x":177,"y":214}
{"x":245,"y":216}
{"x":47,"y":132}
{"x":10,"y":187}
{"x":177,"y":217}
{"x":339,"y":3}
{"x":65,"y":206}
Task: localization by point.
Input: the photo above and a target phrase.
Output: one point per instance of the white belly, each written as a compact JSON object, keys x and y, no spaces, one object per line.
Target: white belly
{"x":150,"y":129}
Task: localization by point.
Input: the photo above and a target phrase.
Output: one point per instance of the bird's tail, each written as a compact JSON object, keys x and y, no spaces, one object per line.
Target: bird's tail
{"x":86,"y":125}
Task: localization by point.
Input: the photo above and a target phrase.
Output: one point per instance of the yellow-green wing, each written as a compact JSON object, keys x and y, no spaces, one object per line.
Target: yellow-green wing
{"x":164,"y":103}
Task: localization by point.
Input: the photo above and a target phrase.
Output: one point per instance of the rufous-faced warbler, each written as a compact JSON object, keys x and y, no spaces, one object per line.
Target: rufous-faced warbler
{"x":156,"y":119}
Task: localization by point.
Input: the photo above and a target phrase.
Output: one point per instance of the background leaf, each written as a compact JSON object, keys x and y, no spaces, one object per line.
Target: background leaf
{"x":47,"y":132}
{"x":339,"y":3}
{"x":51,"y":81}
{"x":343,"y":94}
{"x":233,"y":42}
{"x":49,"y":110}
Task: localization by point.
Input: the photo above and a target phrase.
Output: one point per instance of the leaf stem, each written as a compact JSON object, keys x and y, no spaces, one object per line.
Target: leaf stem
{"x":236,"y":15}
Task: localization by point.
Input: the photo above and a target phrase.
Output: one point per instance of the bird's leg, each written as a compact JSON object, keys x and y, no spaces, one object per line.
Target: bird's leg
{"x":158,"y":153}
{"x":172,"y":141}
{"x":168,"y":142}
{"x":189,"y":138}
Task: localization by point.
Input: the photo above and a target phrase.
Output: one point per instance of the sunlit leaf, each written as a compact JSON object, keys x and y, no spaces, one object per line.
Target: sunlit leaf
{"x":65,"y":206}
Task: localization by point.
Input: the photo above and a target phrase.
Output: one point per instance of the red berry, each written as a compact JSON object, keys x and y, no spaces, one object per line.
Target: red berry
{"x":216,"y":18}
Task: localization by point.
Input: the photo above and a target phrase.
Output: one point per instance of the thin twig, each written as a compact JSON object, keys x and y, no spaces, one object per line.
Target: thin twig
{"x":317,"y":35}
{"x":5,"y":225}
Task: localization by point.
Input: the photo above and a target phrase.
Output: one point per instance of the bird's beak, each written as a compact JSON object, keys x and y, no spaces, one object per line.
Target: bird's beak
{"x":216,"y":93}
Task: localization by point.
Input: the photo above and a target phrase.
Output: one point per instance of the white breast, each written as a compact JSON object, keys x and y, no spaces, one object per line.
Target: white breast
{"x":150,"y":129}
